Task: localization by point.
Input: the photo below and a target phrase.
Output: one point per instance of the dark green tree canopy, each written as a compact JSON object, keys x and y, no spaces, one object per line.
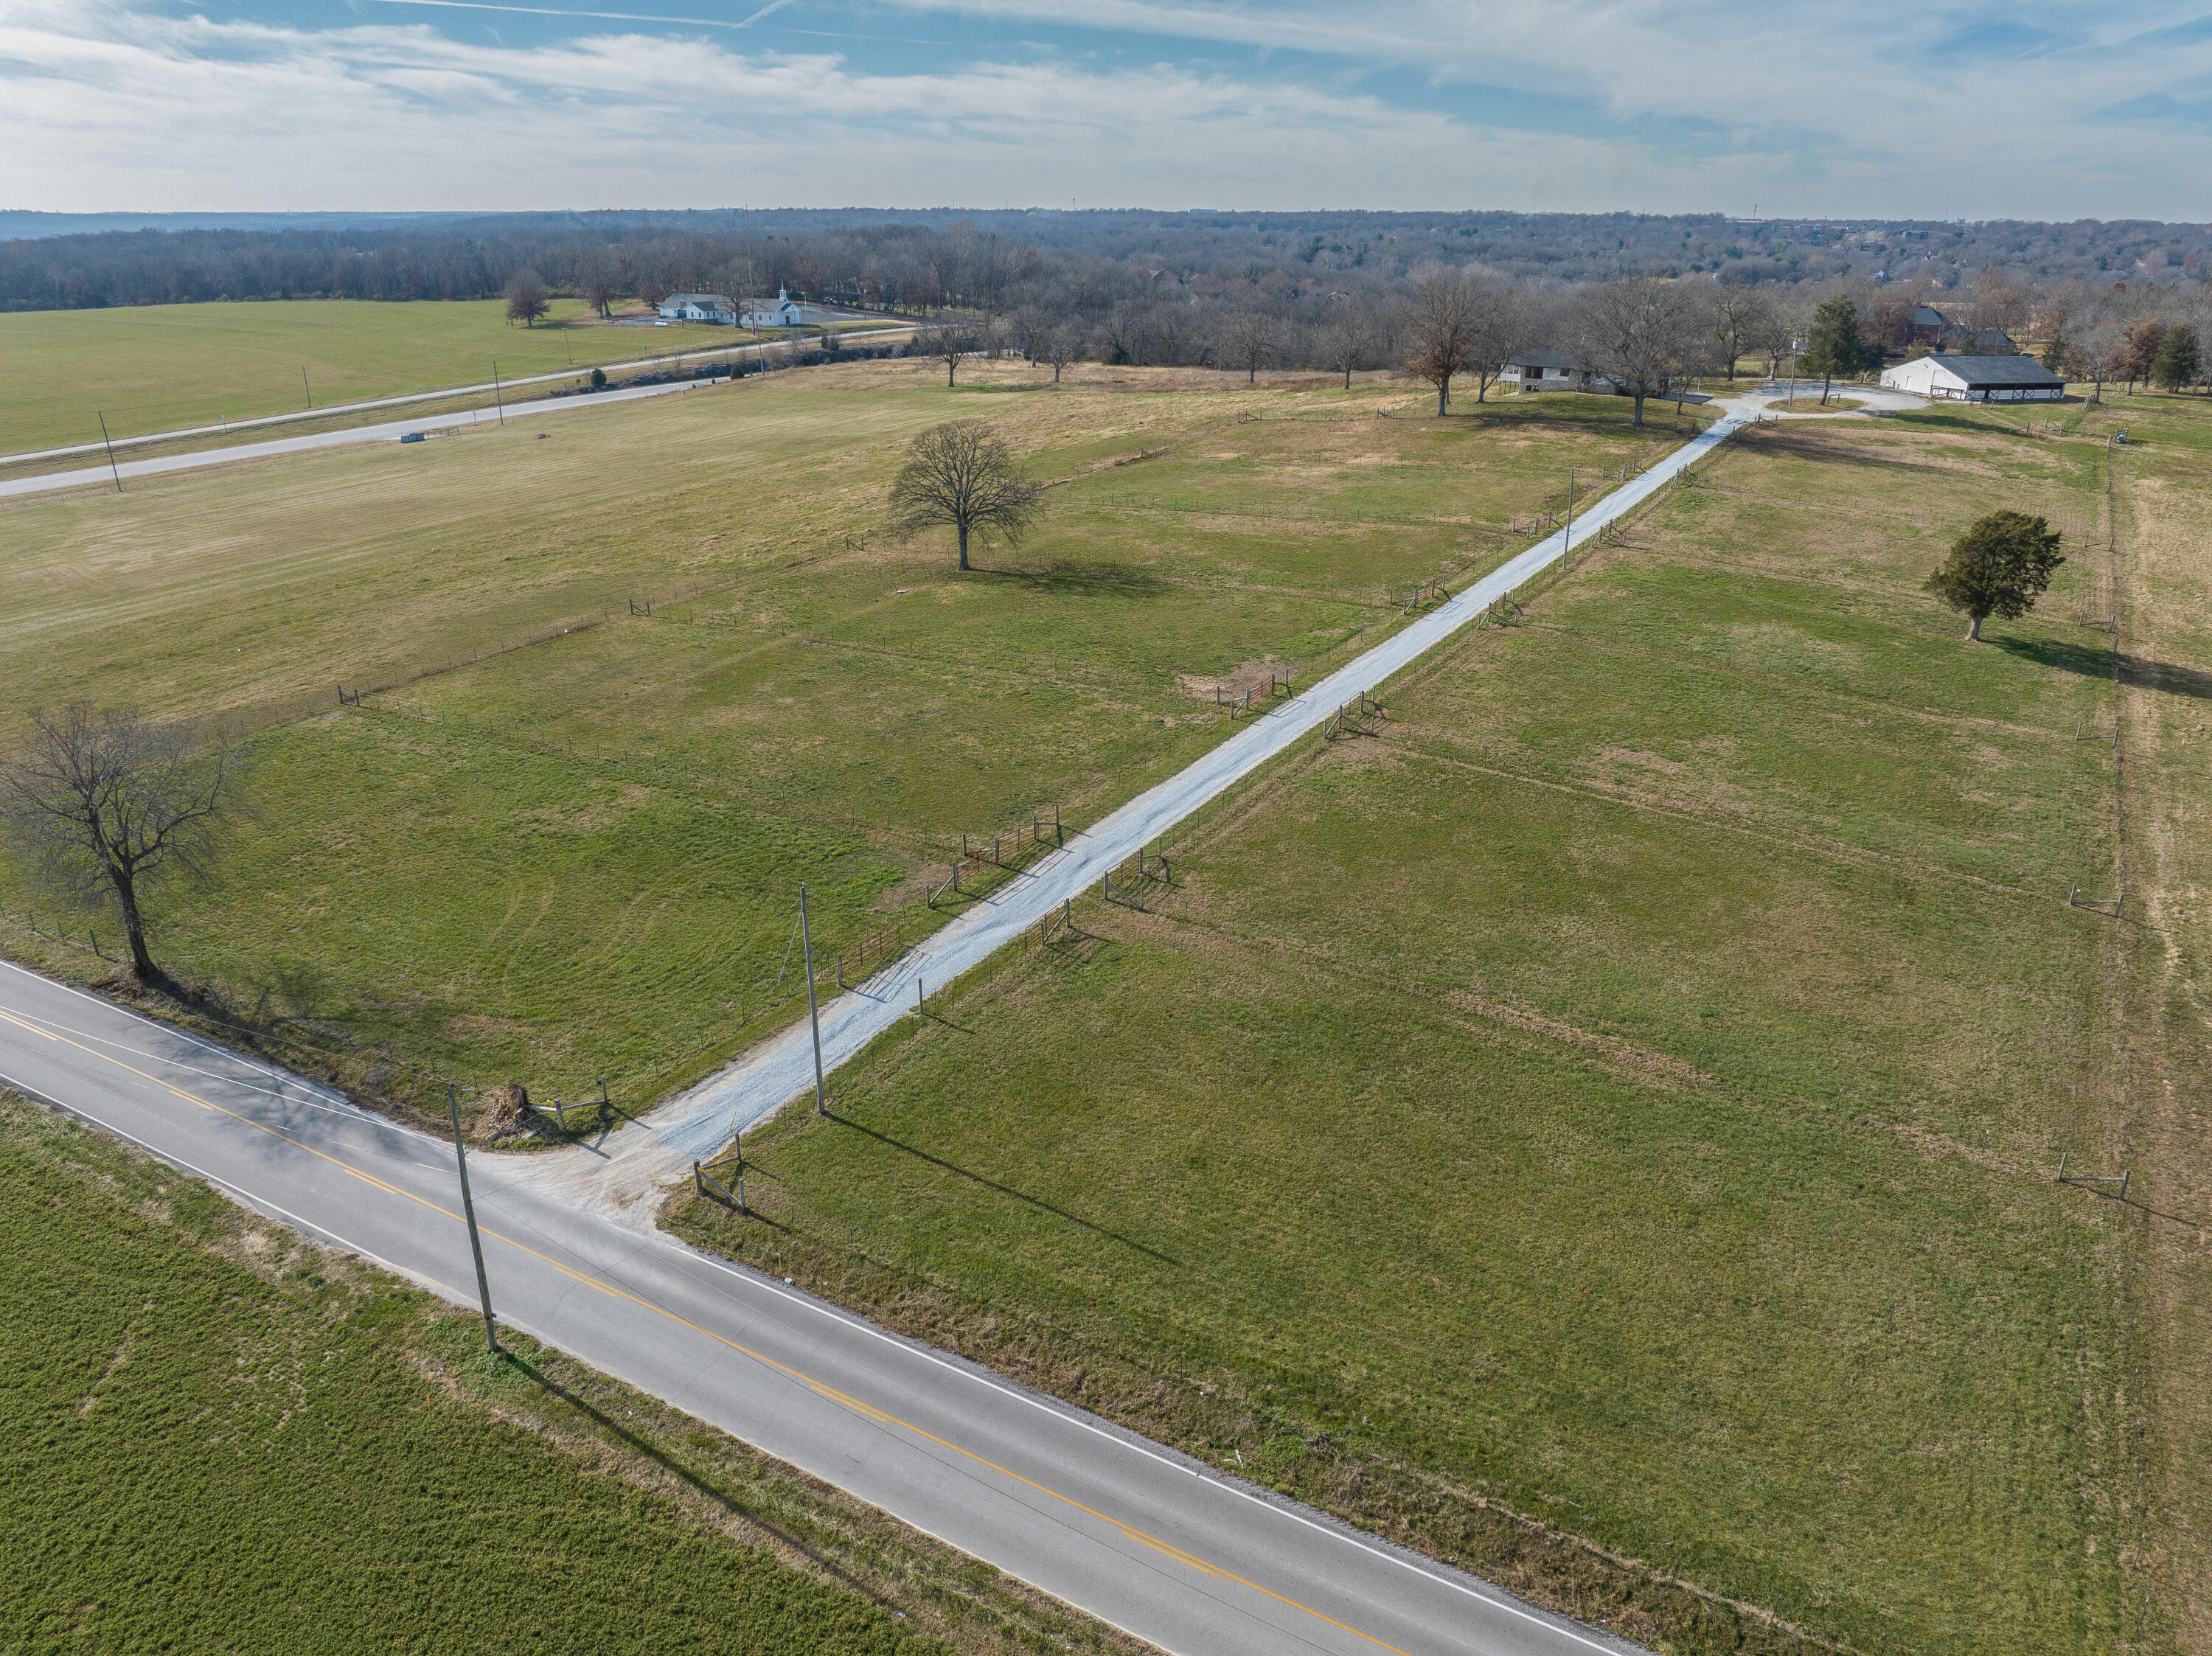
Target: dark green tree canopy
{"x":1999,"y":566}
{"x":1834,"y":347}
{"x":2179,"y":361}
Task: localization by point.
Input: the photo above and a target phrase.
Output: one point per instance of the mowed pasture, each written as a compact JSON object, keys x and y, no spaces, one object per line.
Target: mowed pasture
{"x":214,"y":1436}
{"x":1625,"y":1091}
{"x":162,"y":368}
{"x":580,"y":858}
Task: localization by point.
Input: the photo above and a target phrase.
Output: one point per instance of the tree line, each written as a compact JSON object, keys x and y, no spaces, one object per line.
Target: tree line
{"x":922,"y":259}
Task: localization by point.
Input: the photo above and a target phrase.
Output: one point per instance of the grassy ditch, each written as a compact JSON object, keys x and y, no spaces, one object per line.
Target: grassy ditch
{"x":213,"y":1436}
{"x":1599,"y":1128}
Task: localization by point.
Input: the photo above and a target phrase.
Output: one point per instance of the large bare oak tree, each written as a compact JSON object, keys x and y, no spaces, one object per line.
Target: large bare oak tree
{"x":104,"y":804}
{"x":1639,"y":332}
{"x":1460,"y":322}
{"x":961,"y":475}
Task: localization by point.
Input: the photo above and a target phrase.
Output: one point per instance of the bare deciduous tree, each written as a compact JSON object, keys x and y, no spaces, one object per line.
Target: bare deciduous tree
{"x":961,"y":475}
{"x":1347,"y":341}
{"x":526,"y":298}
{"x":599,"y":289}
{"x":1247,"y":341}
{"x":1639,"y":332}
{"x":948,"y":341}
{"x":1058,"y":348}
{"x":105,"y":805}
{"x":1504,"y":319}
{"x":1460,"y":322}
{"x":1029,"y":328}
{"x":1440,"y":332}
{"x":1740,"y":318}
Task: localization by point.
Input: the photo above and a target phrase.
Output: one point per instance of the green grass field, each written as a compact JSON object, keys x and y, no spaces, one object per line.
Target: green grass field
{"x":1626,"y":1090}
{"x":1623,"y":1093}
{"x":580,"y":858}
{"x":160,"y":368}
{"x":213,"y":1437}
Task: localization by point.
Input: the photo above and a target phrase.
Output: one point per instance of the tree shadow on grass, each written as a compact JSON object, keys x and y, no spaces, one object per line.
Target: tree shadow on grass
{"x":2096,"y":661}
{"x":1008,"y":1191}
{"x":1799,"y":443}
{"x":1066,"y":578}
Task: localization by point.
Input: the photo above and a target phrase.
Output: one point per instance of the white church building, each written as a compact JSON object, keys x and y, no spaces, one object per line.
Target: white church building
{"x":781,"y":311}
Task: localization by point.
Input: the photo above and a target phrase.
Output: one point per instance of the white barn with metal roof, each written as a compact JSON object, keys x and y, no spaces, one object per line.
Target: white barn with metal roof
{"x":1977,"y":379}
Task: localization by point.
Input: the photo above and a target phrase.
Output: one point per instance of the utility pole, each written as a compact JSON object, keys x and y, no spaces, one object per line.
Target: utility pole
{"x":469,"y":1208}
{"x":305,"y":386}
{"x":813,"y":1015}
{"x":113,"y":470}
{"x":1567,"y":545}
{"x":498,"y":400}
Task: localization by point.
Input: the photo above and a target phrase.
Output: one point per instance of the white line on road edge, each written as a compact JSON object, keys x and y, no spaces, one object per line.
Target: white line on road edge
{"x":258,"y":1203}
{"x":1141,"y":1445}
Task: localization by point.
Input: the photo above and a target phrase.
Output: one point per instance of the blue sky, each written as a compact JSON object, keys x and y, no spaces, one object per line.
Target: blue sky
{"x":1975,"y":109}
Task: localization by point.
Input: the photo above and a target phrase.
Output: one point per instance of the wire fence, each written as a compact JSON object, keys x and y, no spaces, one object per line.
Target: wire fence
{"x":1003,"y":851}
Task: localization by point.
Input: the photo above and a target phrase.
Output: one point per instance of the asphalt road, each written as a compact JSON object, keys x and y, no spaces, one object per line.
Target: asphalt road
{"x":572,"y":371}
{"x":1156,"y":1543}
{"x":392,"y":432}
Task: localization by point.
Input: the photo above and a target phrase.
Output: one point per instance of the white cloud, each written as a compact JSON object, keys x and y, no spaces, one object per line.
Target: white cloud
{"x":114,"y":104}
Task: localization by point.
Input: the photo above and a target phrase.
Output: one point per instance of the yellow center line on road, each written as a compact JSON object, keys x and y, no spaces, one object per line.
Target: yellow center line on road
{"x":828,"y":1392}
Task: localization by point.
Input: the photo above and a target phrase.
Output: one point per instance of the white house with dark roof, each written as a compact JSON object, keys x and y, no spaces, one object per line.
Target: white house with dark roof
{"x":699,"y":307}
{"x":1977,"y":380}
{"x":1549,"y":370}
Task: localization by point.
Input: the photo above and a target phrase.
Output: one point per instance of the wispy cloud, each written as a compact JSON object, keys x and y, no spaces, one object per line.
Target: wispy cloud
{"x":2041,"y":108}
{"x":555,"y":11}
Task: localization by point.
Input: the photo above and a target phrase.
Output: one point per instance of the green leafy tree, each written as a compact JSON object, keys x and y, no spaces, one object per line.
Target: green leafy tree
{"x":1834,"y":347}
{"x":2180,"y":359}
{"x":1999,"y":566}
{"x":2058,"y":354}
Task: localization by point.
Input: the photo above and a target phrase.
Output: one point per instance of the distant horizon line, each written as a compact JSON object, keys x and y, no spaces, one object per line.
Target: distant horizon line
{"x":358,"y":214}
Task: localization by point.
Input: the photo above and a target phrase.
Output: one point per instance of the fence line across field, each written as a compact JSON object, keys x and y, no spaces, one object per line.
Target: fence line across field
{"x":755,"y":1085}
{"x":1036,"y":832}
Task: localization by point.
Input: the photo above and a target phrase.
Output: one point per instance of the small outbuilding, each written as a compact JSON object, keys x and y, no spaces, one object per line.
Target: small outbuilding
{"x":1549,"y":370}
{"x":1977,"y":380}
